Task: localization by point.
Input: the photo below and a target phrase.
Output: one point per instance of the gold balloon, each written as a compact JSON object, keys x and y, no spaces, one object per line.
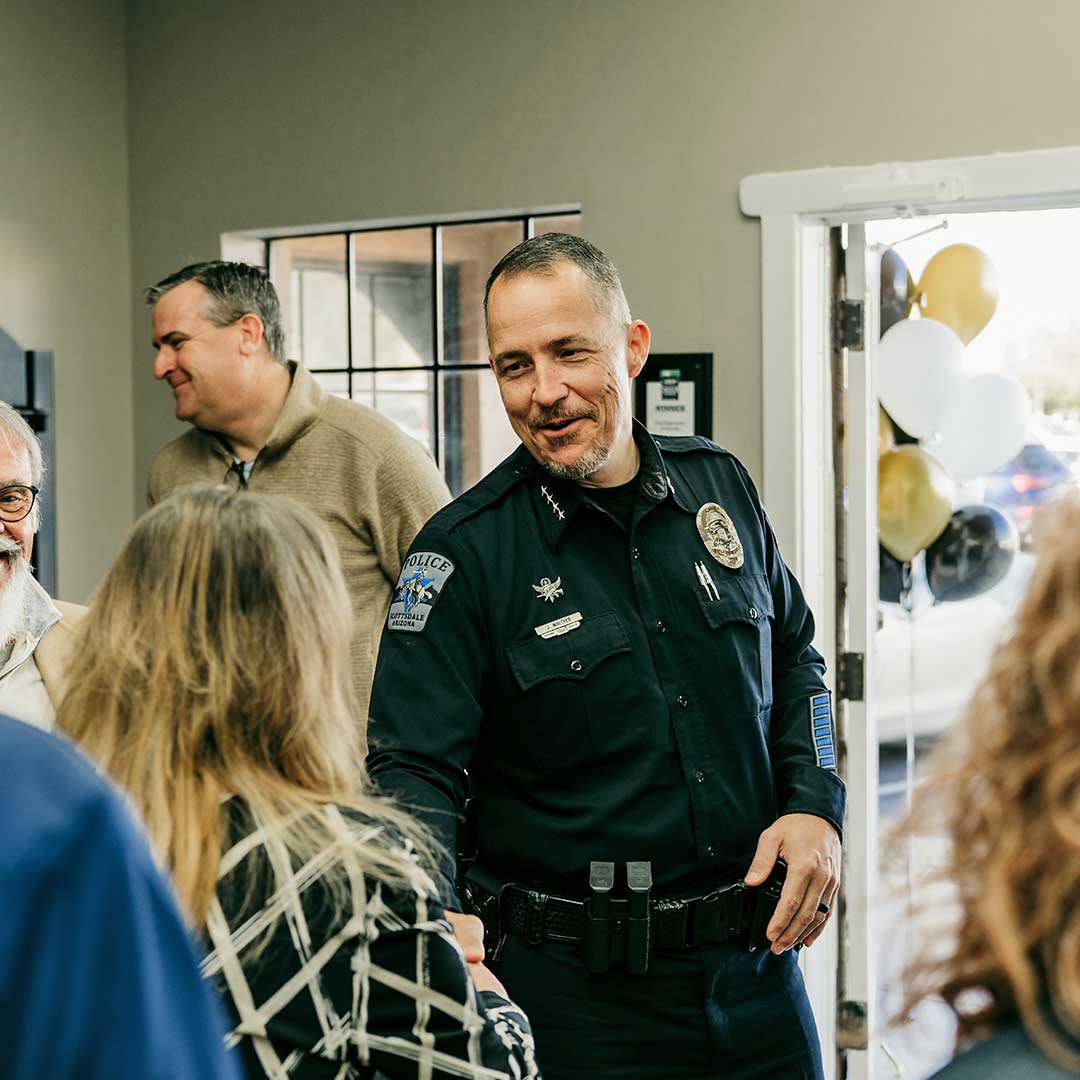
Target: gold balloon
{"x":959,"y":288}
{"x":886,"y":440}
{"x":915,"y":497}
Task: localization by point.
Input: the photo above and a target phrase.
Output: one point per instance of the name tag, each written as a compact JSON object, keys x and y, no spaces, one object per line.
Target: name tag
{"x":557,"y":627}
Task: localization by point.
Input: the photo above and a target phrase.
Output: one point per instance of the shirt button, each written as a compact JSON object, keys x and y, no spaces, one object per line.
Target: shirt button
{"x":575,"y":665}
{"x":682,"y":701}
{"x":661,"y":626}
{"x":699,"y":776}
{"x":710,"y":851}
{"x":636,"y":553}
{"x":753,"y":613}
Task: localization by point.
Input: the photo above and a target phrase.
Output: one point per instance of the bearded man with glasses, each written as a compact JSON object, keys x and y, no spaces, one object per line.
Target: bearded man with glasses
{"x":35,"y":630}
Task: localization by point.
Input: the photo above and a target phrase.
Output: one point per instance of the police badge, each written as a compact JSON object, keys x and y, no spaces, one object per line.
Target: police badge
{"x":717,"y":532}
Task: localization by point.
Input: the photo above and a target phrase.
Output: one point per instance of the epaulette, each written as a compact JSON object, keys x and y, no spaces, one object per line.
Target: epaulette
{"x":482,"y":495}
{"x":684,"y":444}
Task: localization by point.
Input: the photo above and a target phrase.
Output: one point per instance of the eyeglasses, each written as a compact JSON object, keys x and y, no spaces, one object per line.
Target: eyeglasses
{"x":16,"y":501}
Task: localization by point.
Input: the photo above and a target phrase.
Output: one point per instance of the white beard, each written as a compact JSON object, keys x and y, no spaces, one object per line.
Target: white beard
{"x":15,"y":601}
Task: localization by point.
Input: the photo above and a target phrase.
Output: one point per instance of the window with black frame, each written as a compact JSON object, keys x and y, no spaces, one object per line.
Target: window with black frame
{"x":393,"y":318}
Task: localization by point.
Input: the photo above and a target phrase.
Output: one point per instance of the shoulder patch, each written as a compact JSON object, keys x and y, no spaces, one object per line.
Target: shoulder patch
{"x":684,"y":444}
{"x":419,"y":586}
{"x":484,"y":495}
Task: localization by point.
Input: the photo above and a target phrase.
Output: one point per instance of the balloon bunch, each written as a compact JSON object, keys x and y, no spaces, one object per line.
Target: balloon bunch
{"x":967,"y":425}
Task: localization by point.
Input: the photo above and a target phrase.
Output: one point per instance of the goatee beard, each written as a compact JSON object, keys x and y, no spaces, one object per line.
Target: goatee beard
{"x":591,"y":461}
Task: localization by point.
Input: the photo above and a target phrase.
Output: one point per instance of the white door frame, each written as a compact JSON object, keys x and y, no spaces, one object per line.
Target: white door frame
{"x":796,"y":210}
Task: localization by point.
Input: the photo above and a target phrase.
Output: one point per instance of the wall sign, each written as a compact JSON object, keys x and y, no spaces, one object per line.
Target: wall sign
{"x":673,"y":395}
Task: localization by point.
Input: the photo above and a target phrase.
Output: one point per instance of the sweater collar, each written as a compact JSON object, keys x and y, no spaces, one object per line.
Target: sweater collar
{"x":304,"y":405}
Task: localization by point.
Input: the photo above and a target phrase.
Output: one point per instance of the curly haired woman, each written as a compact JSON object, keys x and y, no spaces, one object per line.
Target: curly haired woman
{"x":1005,"y":791}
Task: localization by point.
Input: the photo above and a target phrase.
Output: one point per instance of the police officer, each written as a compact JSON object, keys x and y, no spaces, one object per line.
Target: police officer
{"x":601,"y":644}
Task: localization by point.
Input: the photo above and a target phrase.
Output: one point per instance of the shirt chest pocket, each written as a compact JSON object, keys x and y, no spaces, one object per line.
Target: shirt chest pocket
{"x":577,"y":695}
{"x":739,"y":622}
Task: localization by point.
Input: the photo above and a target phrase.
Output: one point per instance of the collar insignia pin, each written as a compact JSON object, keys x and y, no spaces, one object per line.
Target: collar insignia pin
{"x":548,"y":590}
{"x":718,"y":533}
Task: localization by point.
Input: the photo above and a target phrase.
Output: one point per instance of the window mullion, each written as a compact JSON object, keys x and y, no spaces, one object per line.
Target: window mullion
{"x":437,"y":327}
{"x":350,"y":284}
{"x":402,"y":314}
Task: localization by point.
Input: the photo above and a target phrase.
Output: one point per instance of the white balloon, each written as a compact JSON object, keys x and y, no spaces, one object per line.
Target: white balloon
{"x":986,"y":426}
{"x":920,"y":369}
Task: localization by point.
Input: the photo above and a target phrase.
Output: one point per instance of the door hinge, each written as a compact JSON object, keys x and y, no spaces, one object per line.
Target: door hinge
{"x":852,"y":1029}
{"x":852,"y":670}
{"x":849,"y":317}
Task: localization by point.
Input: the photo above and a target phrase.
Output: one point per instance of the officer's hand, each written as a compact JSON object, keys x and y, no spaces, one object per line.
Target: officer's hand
{"x":469,"y":931}
{"x":811,"y":848}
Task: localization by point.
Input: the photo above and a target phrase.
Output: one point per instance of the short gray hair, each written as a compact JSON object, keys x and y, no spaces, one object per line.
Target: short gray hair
{"x":16,"y":434}
{"x":236,"y":289}
{"x":542,"y":254}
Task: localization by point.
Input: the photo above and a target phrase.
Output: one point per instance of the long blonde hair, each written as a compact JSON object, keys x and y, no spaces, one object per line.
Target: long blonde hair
{"x":214,"y":661}
{"x":1004,"y":789}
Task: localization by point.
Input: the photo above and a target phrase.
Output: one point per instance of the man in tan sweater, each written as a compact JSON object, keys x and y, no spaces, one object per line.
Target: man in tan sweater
{"x":265,"y":424}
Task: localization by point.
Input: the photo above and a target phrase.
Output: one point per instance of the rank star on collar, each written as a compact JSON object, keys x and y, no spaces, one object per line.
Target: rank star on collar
{"x":548,"y":590}
{"x":555,"y":508}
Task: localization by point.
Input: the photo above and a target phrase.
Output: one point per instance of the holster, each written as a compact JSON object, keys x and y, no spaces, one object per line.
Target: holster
{"x":765,"y":898}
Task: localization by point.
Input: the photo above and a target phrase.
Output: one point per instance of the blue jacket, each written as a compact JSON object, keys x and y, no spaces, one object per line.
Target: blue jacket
{"x":98,"y":978}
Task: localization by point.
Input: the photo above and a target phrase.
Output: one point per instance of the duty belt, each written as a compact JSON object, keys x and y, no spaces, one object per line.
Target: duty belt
{"x":613,"y":930}
{"x":673,"y":924}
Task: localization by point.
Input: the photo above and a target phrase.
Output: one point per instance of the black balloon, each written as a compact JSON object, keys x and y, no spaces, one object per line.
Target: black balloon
{"x":897,"y":290}
{"x":900,"y":436}
{"x":973,"y":553}
{"x":893,"y":579}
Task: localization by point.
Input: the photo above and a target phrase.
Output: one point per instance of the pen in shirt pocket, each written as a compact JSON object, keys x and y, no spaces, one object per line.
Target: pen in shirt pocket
{"x":707,"y":583}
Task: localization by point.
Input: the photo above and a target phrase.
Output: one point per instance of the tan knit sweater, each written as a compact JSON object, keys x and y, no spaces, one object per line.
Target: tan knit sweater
{"x":373,"y":485}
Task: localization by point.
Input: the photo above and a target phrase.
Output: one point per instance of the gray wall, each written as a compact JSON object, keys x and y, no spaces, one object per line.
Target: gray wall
{"x":247,"y":115}
{"x":647,"y":112}
{"x":65,"y":258}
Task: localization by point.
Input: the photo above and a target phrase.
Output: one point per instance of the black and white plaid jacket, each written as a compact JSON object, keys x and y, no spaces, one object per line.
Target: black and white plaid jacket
{"x":380,"y":990}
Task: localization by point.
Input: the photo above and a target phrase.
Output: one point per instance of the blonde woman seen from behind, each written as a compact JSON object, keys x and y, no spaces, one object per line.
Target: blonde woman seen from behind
{"x":1004,"y":792}
{"x":211,"y":680}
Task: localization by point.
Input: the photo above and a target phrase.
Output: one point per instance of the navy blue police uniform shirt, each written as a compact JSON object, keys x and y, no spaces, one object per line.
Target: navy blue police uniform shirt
{"x":598,"y":698}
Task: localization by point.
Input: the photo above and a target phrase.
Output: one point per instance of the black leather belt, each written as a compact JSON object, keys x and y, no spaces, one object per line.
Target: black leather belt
{"x":682,"y":923}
